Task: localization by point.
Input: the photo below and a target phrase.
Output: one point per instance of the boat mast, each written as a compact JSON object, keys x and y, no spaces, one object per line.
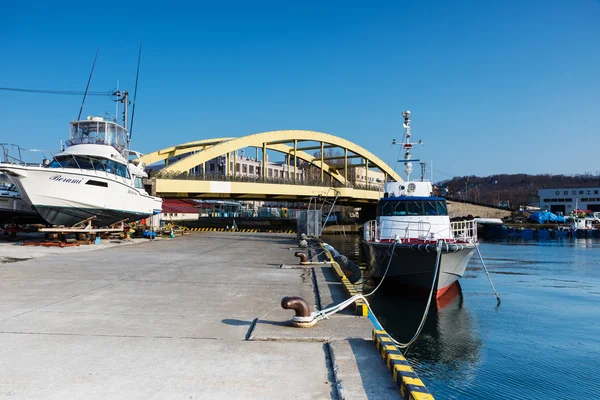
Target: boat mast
{"x":407,"y":145}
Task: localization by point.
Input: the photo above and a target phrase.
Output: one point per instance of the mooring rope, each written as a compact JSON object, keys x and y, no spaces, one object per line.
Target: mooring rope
{"x":487,"y":273}
{"x":393,"y":246}
{"x":325,"y":313}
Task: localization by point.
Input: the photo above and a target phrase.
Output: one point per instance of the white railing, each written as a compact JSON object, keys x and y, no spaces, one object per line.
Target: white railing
{"x":370,"y":231}
{"x":464,"y":231}
{"x":391,"y":229}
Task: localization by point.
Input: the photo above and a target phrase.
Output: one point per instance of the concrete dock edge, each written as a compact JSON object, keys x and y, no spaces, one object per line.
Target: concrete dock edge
{"x":361,"y":308}
{"x":411,"y":387}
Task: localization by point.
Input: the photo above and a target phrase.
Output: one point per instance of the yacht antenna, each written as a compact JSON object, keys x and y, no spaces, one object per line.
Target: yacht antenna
{"x":431,"y":171}
{"x":88,"y":84}
{"x":137,"y":75}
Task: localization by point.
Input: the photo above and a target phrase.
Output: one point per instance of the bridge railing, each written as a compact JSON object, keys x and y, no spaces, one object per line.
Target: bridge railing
{"x":260,"y":179}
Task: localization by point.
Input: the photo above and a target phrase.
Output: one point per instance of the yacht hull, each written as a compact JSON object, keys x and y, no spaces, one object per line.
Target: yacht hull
{"x":8,"y":216}
{"x":14,"y":210}
{"x":69,"y":216}
{"x":68,"y":196}
{"x":414,"y":264}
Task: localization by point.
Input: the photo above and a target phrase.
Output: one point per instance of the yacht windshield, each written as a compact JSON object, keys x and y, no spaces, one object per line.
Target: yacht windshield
{"x":411,"y":207}
{"x":98,"y":132}
{"x":90,"y":163}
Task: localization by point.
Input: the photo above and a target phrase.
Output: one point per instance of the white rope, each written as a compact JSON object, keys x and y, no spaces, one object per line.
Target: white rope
{"x":422,"y":324}
{"x":322,"y":314}
{"x":487,"y":273}
{"x":325,"y":313}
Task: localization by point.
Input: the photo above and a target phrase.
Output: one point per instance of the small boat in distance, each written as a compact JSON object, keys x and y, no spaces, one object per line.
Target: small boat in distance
{"x":414,"y":223}
{"x":95,"y":177}
{"x":580,"y":226}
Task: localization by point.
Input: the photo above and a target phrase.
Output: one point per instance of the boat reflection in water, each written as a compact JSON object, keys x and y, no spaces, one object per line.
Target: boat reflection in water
{"x":448,"y":338}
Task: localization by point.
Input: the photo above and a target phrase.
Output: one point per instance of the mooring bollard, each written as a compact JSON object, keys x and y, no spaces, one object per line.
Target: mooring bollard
{"x":302,"y":256}
{"x":303,"y":317}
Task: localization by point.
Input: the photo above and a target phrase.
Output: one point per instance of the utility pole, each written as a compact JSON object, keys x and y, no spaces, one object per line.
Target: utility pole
{"x":423,"y":165}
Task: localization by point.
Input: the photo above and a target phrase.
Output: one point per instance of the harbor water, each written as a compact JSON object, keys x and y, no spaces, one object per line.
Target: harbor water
{"x":542,"y":342}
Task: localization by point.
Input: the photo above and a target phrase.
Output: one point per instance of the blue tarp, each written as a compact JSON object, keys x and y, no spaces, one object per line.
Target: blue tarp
{"x":148,"y":234}
{"x":544,"y":217}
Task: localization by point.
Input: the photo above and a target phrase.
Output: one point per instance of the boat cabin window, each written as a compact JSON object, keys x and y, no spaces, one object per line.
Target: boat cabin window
{"x":138,"y":182}
{"x":91,"y":163}
{"x":98,"y":131}
{"x":411,"y":208}
{"x":8,"y":187}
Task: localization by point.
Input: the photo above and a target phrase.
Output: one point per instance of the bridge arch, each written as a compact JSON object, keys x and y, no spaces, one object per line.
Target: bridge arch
{"x":284,"y":141}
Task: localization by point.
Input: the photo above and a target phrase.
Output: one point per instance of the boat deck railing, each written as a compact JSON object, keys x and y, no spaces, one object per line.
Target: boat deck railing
{"x":462,"y":231}
{"x":389,"y":229}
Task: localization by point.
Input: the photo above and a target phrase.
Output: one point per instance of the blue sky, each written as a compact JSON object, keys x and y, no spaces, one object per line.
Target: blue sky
{"x":494,"y":87}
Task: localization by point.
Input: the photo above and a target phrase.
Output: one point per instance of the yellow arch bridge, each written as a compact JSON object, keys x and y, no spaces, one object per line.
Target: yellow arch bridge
{"x":184,"y":173}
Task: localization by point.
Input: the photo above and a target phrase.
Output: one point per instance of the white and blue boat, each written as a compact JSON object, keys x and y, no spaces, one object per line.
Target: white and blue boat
{"x":413,"y":221}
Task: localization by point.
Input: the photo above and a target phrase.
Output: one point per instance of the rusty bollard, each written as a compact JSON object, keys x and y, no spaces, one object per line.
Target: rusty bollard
{"x":303,"y":317}
{"x":302,"y":256}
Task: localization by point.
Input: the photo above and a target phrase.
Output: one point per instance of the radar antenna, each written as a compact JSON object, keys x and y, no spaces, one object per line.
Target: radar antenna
{"x":407,"y":145}
{"x":88,"y":85}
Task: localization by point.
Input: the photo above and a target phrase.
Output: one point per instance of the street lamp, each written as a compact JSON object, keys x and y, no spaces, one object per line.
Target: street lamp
{"x":379,"y":181}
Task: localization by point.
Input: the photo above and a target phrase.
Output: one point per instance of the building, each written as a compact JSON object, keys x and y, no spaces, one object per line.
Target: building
{"x":252,"y":167}
{"x":565,"y":200}
{"x":245,"y":167}
{"x":174,"y":210}
{"x":360,"y":175}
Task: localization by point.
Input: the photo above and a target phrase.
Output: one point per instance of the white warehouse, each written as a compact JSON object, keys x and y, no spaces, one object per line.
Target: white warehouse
{"x":565,"y":200}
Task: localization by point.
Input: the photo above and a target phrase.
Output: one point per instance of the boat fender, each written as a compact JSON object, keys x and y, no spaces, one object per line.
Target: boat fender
{"x":303,"y":317}
{"x":302,"y":256}
{"x":349,"y":268}
{"x":333,"y":251}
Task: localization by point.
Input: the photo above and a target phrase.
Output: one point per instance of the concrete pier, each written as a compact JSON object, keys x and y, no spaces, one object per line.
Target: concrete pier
{"x":195,"y":317}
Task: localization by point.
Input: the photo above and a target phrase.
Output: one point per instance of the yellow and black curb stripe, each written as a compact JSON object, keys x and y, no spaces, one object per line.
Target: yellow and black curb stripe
{"x":411,"y":387}
{"x":240,"y":230}
{"x":349,"y":288}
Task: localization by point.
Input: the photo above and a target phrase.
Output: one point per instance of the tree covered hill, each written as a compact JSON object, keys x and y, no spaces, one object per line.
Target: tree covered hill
{"x":512,"y":190}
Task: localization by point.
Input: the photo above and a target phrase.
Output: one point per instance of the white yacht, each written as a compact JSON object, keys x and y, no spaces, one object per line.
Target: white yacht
{"x":91,"y":177}
{"x":416,"y":220}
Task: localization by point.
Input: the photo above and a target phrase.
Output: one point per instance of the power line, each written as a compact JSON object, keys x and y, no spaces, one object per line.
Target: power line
{"x":440,"y":172}
{"x":65,"y":92}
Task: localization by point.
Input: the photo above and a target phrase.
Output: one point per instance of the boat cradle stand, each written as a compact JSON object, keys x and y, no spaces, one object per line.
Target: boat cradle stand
{"x":84,"y":231}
